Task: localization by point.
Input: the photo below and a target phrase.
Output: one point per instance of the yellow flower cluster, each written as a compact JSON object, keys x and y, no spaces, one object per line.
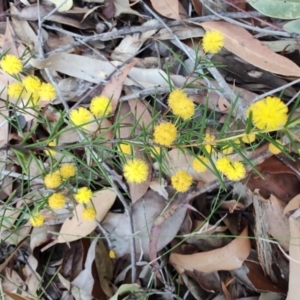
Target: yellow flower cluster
{"x":181,"y":105}
{"x":83,"y":195}
{"x":67,"y":170}
{"x":89,"y":213}
{"x":50,"y":152}
{"x":135,"y":171}
{"x":200,"y":163}
{"x":11,"y":64}
{"x":125,"y":148}
{"x":101,"y":106}
{"x":165,"y":134}
{"x":56,"y":201}
{"x":234,"y":170}
{"x":37,"y":219}
{"x":249,"y":138}
{"x":274,"y":149}
{"x":181,"y":181}
{"x":209,"y":141}
{"x":213,"y":41}
{"x":53,"y":180}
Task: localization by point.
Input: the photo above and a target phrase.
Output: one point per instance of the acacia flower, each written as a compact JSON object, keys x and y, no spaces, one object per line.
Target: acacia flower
{"x":227,"y":150}
{"x":47,"y":91}
{"x":125,"y":148}
{"x":56,"y":201}
{"x":165,"y":134}
{"x":155,"y":150}
{"x":53,"y":180}
{"x":31,"y":83}
{"x":67,"y":170}
{"x":249,"y":138}
{"x":135,"y":171}
{"x":200,"y":163}
{"x":32,"y":98}
{"x":213,"y":41}
{"x":89,"y":213}
{"x":101,"y":106}
{"x":15,"y":90}
{"x":209,"y":141}
{"x":181,"y":181}
{"x":236,"y":171}
{"x":268,"y":114}
{"x":11,"y":64}
{"x":81,"y":116}
{"x":50,"y":152}
{"x":37,"y":219}
{"x":181,"y":105}
{"x":83,"y":195}
{"x":274,"y":149}
{"x":222,"y":164}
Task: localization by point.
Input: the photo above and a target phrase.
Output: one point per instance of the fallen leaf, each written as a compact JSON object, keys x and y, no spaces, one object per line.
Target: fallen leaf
{"x":294,"y":204}
{"x":123,"y":7}
{"x":63,"y":5}
{"x":169,"y":8}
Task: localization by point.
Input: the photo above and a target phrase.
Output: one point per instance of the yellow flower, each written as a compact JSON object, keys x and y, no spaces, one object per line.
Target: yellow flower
{"x":100,"y":106}
{"x":135,"y":171}
{"x":89,"y":213}
{"x":209,"y":141}
{"x":268,"y":114}
{"x":274,"y":149}
{"x":52,"y":180}
{"x":83,"y":195}
{"x":31,"y":83}
{"x":181,"y":181}
{"x":81,"y":116}
{"x":181,"y":105}
{"x":249,"y":138}
{"x":47,"y":92}
{"x":213,"y":41}
{"x":125,"y":148}
{"x":155,"y":151}
{"x":222,"y":164}
{"x":37,"y":219}
{"x":11,"y":64}
{"x":56,"y":201}
{"x":236,"y":172}
{"x":32,"y":98}
{"x":165,"y":134}
{"x":15,"y":90}
{"x":51,"y":152}
{"x":200,"y":163}
{"x":67,"y":171}
{"x":227,"y":150}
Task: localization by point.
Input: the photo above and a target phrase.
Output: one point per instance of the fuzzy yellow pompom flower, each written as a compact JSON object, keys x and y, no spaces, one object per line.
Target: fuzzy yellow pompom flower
{"x":181,"y":105}
{"x":89,"y":213}
{"x":227,"y":150}
{"x":15,"y":90}
{"x":236,"y":171}
{"x":56,"y":201}
{"x":81,"y":116}
{"x":249,"y":138}
{"x":155,"y":151}
{"x":200,"y":163}
{"x":274,"y":149}
{"x":11,"y":64}
{"x":31,"y":83}
{"x":213,"y":41}
{"x":101,"y":106}
{"x":47,"y":92}
{"x":222,"y":164}
{"x":83,"y":195}
{"x":53,"y":180}
{"x":32,"y":98}
{"x":50,"y":152}
{"x":268,"y":114}
{"x":125,"y":148}
{"x":181,"y":181}
{"x":67,"y":170}
{"x":135,"y":171}
{"x":209,"y":141}
{"x":37,"y":219}
{"x":165,"y":134}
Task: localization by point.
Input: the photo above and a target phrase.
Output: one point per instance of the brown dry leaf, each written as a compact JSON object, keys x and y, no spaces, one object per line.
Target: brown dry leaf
{"x":139,"y":109}
{"x":15,"y":296}
{"x":123,"y":7}
{"x":76,"y":228}
{"x":294,"y":204}
{"x":228,"y":258}
{"x":240,"y":42}
{"x":169,"y":8}
{"x":294,"y":253}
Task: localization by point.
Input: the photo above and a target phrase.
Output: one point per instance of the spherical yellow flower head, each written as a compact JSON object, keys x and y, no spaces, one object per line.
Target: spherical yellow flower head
{"x":101,"y":106}
{"x":50,"y":152}
{"x":37,"y":219}
{"x":81,"y":116}
{"x":181,"y":105}
{"x":155,"y":151}
{"x":200,"y":163}
{"x":31,"y":98}
{"x":227,"y":150}
{"x":89,"y":213}
{"x":135,"y":171}
{"x":83,"y":195}
{"x":275,"y":149}
{"x":181,"y":181}
{"x":11,"y":64}
{"x":222,"y":164}
{"x":67,"y":170}
{"x":236,"y":171}
{"x":268,"y":114}
{"x":165,"y":134}
{"x":213,"y":41}
{"x":56,"y":201}
{"x":47,"y":92}
{"x":15,"y":90}
{"x":249,"y":138}
{"x":53,"y":180}
{"x":32,"y":84}
{"x":125,"y":148}
{"x":209,"y":141}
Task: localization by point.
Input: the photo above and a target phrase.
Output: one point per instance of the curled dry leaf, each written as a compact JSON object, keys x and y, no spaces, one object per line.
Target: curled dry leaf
{"x":169,"y":8}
